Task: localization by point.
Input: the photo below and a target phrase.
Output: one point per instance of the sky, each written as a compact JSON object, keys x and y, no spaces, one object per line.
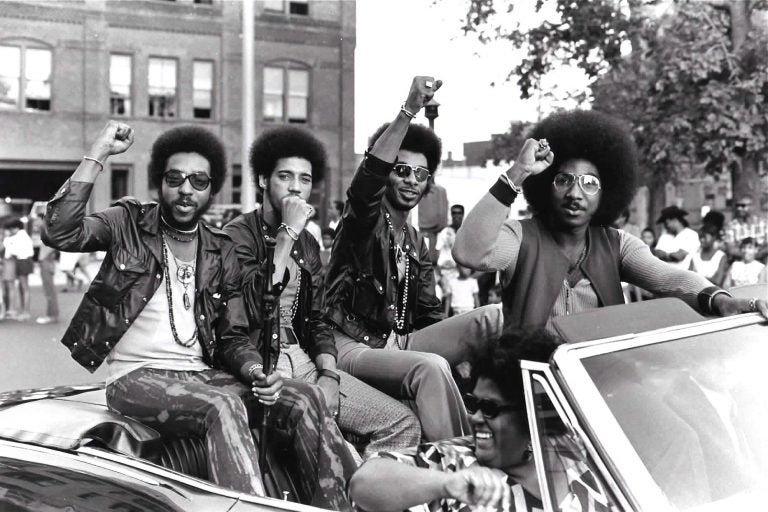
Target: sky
{"x":398,"y":39}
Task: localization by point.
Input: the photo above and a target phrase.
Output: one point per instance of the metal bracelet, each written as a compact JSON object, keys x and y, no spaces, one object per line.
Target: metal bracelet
{"x":291,"y":232}
{"x":90,"y":159}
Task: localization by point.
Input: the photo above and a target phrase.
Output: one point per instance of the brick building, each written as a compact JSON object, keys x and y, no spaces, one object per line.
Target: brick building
{"x":66,"y":67}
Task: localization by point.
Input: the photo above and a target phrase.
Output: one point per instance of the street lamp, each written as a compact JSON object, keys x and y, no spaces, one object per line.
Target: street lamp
{"x":430,"y":112}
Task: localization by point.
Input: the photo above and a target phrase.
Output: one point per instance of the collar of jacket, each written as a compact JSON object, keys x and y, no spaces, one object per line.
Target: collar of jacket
{"x":149,"y":222}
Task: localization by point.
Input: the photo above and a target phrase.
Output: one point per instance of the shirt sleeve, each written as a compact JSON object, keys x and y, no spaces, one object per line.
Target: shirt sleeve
{"x":643,"y":269}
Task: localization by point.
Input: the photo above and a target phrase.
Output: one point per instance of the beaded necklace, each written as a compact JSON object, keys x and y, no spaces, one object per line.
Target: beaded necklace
{"x":169,"y":293}
{"x":400,"y":313}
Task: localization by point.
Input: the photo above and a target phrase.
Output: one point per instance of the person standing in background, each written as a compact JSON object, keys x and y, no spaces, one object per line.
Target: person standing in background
{"x":19,"y":251}
{"x":678,"y":243}
{"x":433,"y":208}
{"x":709,"y":261}
{"x":47,"y":259}
{"x":746,"y":224}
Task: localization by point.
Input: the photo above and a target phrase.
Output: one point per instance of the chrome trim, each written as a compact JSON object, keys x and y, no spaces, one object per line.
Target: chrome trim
{"x":533,"y":427}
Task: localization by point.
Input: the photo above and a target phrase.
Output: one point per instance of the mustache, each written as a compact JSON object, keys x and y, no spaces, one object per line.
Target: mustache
{"x":573,"y":205}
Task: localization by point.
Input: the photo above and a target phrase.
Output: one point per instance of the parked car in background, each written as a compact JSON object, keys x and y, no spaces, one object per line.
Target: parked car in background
{"x":666,"y":408}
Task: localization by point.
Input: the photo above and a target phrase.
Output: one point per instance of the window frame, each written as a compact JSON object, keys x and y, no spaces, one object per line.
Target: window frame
{"x":131,"y":104}
{"x":211,"y":91}
{"x":176,"y":106}
{"x":285,"y":67}
{"x":23,"y":45}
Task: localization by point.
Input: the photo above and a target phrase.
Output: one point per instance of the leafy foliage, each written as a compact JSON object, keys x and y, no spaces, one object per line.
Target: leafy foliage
{"x":694,"y":99}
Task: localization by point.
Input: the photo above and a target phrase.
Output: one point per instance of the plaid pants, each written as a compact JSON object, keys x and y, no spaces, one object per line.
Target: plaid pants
{"x":212,"y":404}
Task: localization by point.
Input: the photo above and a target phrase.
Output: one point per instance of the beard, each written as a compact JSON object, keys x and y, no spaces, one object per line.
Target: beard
{"x":167,"y":211}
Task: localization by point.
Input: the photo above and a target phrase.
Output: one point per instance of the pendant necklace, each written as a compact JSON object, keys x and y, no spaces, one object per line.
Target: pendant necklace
{"x":169,"y":294}
{"x":399,"y":253}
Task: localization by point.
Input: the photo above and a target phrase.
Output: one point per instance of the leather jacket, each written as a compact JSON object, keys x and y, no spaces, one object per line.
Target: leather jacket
{"x":248,"y":232}
{"x":362,"y":286}
{"x":132,"y":271}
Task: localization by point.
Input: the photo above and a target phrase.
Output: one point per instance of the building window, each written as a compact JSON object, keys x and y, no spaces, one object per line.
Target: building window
{"x":203,"y":89}
{"x":162,"y":87}
{"x":25,"y":78}
{"x":120,"y":85}
{"x":120,"y":185}
{"x":286,"y":94}
{"x":297,"y":7}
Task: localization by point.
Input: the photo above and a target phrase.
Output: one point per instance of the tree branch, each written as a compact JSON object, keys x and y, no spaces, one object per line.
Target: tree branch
{"x":728,"y":58}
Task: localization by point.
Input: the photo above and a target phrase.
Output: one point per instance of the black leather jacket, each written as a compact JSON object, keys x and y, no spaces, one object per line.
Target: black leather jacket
{"x":131,"y":273}
{"x":247,"y":232}
{"x":362,"y":291}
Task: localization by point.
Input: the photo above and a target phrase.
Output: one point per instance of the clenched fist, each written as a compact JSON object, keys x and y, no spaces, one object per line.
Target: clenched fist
{"x":115,"y":138}
{"x":422,"y":90}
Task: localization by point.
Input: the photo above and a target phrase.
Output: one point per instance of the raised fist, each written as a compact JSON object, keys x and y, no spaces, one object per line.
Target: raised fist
{"x":115,"y":138}
{"x":534,"y":157}
{"x":422,"y":90}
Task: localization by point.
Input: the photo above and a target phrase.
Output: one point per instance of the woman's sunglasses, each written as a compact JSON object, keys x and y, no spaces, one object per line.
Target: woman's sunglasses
{"x":198,"y":180}
{"x":404,"y":170}
{"x":588,"y":183}
{"x":489,"y":408}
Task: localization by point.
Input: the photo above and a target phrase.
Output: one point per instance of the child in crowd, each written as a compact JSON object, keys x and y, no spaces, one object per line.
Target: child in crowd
{"x":325,"y":246}
{"x":464,"y":293}
{"x":748,"y":270}
{"x":19,"y":251}
{"x":494,"y":294}
{"x":649,"y":237}
{"x":709,"y":261}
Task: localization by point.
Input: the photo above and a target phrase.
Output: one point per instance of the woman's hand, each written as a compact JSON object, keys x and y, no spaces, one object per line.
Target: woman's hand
{"x":727,"y":306}
{"x":534,"y":157}
{"x":115,"y":138}
{"x":266,"y":387}
{"x":479,"y":486}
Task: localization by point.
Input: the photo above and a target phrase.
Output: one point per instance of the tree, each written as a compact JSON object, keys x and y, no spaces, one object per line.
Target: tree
{"x":692,"y":88}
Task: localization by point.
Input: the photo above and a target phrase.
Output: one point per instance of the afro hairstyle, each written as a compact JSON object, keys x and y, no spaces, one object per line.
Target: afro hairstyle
{"x":418,"y":139}
{"x":499,"y":361}
{"x":286,"y":142}
{"x":601,"y":140}
{"x":188,"y":139}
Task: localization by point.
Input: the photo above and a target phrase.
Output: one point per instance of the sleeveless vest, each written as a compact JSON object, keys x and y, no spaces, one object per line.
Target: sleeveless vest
{"x":527,"y":301}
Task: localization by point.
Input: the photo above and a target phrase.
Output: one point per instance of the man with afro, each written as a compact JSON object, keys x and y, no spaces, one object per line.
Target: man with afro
{"x":578,"y":172}
{"x":287,"y":162}
{"x":166,"y":314}
{"x":389,"y":326}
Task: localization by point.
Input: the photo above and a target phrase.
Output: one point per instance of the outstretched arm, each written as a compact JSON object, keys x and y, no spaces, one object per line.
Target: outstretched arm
{"x":66,"y":227}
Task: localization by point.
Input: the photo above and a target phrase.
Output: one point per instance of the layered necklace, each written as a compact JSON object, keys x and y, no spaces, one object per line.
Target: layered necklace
{"x":179,"y":235}
{"x":185,"y":274}
{"x":400,"y":313}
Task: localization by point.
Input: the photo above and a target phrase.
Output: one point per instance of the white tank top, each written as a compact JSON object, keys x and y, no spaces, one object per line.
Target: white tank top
{"x":707,"y":268}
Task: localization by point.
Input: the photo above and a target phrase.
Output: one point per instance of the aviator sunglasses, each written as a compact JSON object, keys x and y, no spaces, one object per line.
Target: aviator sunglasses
{"x":489,"y":408}
{"x":588,"y":183}
{"x":198,"y":180}
{"x":404,"y":170}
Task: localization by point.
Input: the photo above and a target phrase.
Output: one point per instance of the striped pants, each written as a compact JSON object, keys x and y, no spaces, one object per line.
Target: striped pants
{"x":213,"y":405}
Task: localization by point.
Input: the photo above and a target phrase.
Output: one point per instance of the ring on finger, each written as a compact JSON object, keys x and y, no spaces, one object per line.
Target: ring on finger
{"x":753,"y":304}
{"x":428,"y":83}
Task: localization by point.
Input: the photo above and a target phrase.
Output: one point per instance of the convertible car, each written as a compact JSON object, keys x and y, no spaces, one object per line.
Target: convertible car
{"x":663,"y":407}
{"x":666,"y":408}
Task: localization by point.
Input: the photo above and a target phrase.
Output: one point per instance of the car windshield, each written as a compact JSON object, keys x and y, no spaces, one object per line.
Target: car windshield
{"x":694,"y":410}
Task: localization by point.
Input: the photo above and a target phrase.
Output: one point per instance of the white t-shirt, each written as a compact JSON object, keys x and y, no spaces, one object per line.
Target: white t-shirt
{"x":19,"y":245}
{"x":746,"y":273}
{"x":463,"y":294}
{"x":149,"y":342}
{"x":707,"y":268}
{"x":687,"y":240}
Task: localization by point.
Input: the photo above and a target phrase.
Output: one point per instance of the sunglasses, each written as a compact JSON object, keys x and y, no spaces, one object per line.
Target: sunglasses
{"x":589,"y":184}
{"x":489,"y":408}
{"x":198,"y":180}
{"x":404,"y":170}
{"x":743,"y":205}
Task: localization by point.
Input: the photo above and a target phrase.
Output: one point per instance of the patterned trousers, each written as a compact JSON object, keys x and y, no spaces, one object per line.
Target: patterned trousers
{"x":213,"y":405}
{"x":364,"y":411}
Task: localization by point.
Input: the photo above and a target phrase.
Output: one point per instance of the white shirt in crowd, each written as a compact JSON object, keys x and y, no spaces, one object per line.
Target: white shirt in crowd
{"x":463,"y":294}
{"x":19,"y":245}
{"x":687,"y":240}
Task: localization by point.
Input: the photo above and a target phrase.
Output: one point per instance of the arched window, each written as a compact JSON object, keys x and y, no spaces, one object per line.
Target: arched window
{"x":286,"y":92}
{"x":25,"y":75}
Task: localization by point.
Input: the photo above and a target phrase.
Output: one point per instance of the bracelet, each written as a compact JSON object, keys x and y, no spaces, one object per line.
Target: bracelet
{"x":330,"y":374}
{"x":94,"y":161}
{"x":253,"y":368}
{"x":407,"y":112}
{"x":291,"y":232}
{"x":517,"y":190}
{"x":706,"y":299}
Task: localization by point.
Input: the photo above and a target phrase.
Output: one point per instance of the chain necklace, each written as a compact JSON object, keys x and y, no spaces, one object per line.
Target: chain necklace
{"x":580,"y":260}
{"x":400,"y":313}
{"x":178,"y":234}
{"x":295,"y":305}
{"x":169,"y":293}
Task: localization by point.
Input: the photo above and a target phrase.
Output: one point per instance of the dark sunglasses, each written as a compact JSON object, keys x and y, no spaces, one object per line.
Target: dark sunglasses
{"x":489,"y":408}
{"x":404,"y":170}
{"x":743,"y":205}
{"x":588,"y":183}
{"x":198,"y":180}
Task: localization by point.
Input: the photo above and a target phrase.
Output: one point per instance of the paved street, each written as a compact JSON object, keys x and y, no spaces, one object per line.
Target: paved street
{"x":32,"y":355}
